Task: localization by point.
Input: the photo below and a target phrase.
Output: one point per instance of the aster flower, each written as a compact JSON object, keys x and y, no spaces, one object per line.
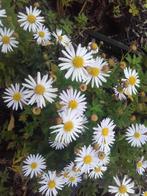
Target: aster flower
{"x":73,"y":179}
{"x":72,"y":126}
{"x":93,"y":47}
{"x":15,"y":96}
{"x":96,"y":74}
{"x":86,"y":159}
{"x":74,"y":100}
{"x":132,"y":81}
{"x":34,"y":165}
{"x":40,"y":90}
{"x":103,"y":157}
{"x":119,"y":92}
{"x":60,"y":38}
{"x":136,"y":135}
{"x":123,"y":188}
{"x":50,"y":182}
{"x":2,"y":15}
{"x":31,"y":20}
{"x":97,"y":172}
{"x":57,"y":145}
{"x":42,"y":35}
{"x":75,"y":61}
{"x":141,"y":166}
{"x":7,"y":41}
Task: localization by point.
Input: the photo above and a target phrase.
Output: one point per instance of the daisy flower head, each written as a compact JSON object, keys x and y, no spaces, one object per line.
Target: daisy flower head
{"x":132,"y":81}
{"x":144,"y":193}
{"x":7,"y":41}
{"x":141,"y":166}
{"x":104,"y":135}
{"x":31,"y":20}
{"x":40,"y":90}
{"x":75,"y":61}
{"x":96,"y":75}
{"x":64,"y":40}
{"x":124,"y":187}
{"x":2,"y":15}
{"x":73,"y":124}
{"x":74,"y":100}
{"x":97,"y":172}
{"x":50,"y":182}
{"x":57,"y":145}
{"x":34,"y":165}
{"x":103,"y":157}
{"x":119,"y":92}
{"x":73,"y":179}
{"x":42,"y":35}
{"x":93,"y":47}
{"x":15,"y":96}
{"x":136,"y":135}
{"x":86,"y":159}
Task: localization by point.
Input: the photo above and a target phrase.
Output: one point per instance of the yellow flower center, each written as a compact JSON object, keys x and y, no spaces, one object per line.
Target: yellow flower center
{"x":145,"y":193}
{"x":94,"y":46}
{"x":105,"y":132}
{"x":97,"y":169}
{"x":34,"y":165}
{"x":94,"y":71}
{"x":72,"y":179}
{"x":73,"y":104}
{"x":60,"y":37}
{"x":78,"y":62}
{"x":101,"y":155}
{"x":39,"y":89}
{"x":6,"y":39}
{"x":87,"y":159}
{"x":65,"y":175}
{"x":51,"y":184}
{"x":132,"y":80}
{"x":122,"y":189}
{"x":68,"y":126}
{"x":17,"y":96}
{"x":137,"y":135}
{"x":31,"y":18}
{"x":139,"y":164}
{"x":41,"y":34}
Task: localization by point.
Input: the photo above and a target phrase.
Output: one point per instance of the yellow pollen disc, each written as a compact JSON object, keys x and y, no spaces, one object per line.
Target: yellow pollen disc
{"x":137,"y":135}
{"x":73,"y":104}
{"x":122,"y":189}
{"x":51,"y":184}
{"x":17,"y":96}
{"x":68,"y":126}
{"x":87,"y":159}
{"x":145,"y":193}
{"x":97,"y":169}
{"x":132,"y":80}
{"x":94,"y":71}
{"x":101,"y":155}
{"x":6,"y":39}
{"x":31,"y":18}
{"x":39,"y":89}
{"x":60,"y":37}
{"x":33,"y":165}
{"x":41,"y":34}
{"x":94,"y":46}
{"x":139,"y":164}
{"x":78,"y":62}
{"x":72,"y":179}
{"x":105,"y":132}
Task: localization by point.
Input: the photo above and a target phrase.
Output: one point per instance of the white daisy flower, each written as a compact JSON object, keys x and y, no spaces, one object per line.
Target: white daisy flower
{"x":74,"y":100}
{"x":15,"y":96}
{"x":96,"y":74}
{"x":123,"y":188}
{"x":42,"y":35}
{"x":7,"y":41}
{"x":141,"y":166}
{"x":103,"y":158}
{"x":31,"y":20}
{"x":136,"y":135}
{"x":75,"y":62}
{"x":61,"y":39}
{"x":144,"y":193}
{"x":93,"y":47}
{"x":97,"y":172}
{"x":40,"y":90}
{"x":119,"y":92}
{"x":50,"y":183}
{"x":73,"y":179}
{"x":104,"y":134}
{"x":72,"y":126}
{"x":2,"y":15}
{"x":57,"y":145}
{"x":86,"y":159}
{"x":132,"y":81}
{"x":34,"y":165}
